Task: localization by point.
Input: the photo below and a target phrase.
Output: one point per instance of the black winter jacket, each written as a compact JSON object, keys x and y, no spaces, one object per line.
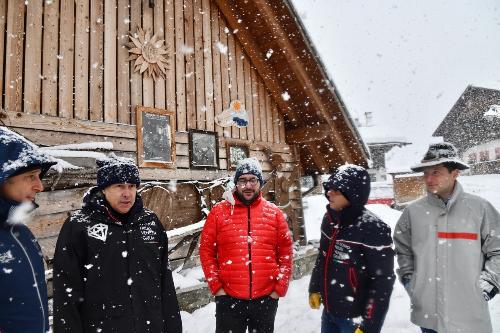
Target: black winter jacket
{"x":111,"y":276}
{"x":354,"y":271}
{"x":354,"y":268}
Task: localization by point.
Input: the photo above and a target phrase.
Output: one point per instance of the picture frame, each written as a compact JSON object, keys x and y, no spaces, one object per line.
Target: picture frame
{"x":203,"y":150}
{"x":155,"y":137}
{"x":235,"y":152}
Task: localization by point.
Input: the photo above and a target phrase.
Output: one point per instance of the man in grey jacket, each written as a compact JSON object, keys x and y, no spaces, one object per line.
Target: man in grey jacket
{"x":448,"y":250}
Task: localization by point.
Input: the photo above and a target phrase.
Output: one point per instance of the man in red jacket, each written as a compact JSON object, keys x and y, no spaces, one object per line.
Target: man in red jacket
{"x":246,"y":255}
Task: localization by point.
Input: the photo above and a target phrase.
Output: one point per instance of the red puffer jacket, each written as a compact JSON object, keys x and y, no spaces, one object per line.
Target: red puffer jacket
{"x":248,"y":250}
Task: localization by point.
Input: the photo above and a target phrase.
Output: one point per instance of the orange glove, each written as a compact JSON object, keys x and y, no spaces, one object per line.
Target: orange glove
{"x":358,"y":330}
{"x":314,"y":300}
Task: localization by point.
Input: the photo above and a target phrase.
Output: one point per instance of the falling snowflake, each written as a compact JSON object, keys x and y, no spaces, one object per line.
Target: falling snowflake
{"x":129,"y":281}
{"x":285,"y":96}
{"x":221,"y":47}
{"x":269,"y":53}
{"x":124,"y":254}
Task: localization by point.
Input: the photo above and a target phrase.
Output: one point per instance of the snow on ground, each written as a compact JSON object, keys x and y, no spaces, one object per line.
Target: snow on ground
{"x":294,"y":314}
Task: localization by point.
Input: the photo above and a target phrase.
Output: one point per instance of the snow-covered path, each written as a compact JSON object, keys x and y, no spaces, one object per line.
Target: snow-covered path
{"x":294,"y":314}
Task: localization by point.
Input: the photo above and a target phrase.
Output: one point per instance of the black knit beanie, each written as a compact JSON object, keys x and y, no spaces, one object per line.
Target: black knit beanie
{"x":116,"y":170}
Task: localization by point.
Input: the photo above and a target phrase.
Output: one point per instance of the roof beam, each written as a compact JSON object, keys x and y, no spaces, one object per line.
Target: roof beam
{"x":265,"y":70}
{"x":317,"y":157}
{"x":308,"y":134}
{"x":300,"y":72}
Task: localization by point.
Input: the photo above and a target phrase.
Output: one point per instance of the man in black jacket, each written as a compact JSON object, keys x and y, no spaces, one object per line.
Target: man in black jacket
{"x":353,"y":275}
{"x":111,"y":270}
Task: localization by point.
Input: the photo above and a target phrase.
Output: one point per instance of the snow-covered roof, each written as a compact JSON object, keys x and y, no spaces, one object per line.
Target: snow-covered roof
{"x":379,"y":134}
{"x":400,"y":159}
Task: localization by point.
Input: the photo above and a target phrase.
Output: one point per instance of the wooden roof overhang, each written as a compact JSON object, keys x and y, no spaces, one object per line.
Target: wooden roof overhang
{"x":316,"y":120}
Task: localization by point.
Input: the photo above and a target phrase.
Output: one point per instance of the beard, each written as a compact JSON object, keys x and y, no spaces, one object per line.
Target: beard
{"x":243,"y":199}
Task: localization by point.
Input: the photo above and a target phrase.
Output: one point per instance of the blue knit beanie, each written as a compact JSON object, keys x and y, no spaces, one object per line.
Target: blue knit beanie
{"x":116,"y":170}
{"x":249,"y":166}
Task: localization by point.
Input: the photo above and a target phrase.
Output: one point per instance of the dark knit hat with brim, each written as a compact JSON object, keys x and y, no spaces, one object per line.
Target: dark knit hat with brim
{"x":116,"y":170}
{"x":249,"y":166}
{"x":440,"y":153}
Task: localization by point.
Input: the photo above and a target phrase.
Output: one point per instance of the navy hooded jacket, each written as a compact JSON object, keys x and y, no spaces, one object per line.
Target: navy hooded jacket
{"x":23,"y":291}
{"x":354,"y":268}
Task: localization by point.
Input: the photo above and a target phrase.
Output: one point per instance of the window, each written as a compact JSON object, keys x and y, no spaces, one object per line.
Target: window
{"x":484,"y":156}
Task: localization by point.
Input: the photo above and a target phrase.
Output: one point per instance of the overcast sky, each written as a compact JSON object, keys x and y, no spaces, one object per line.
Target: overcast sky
{"x":405,"y":61}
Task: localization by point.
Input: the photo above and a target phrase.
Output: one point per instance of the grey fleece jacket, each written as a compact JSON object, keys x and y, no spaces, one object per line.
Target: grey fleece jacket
{"x":447,"y":249}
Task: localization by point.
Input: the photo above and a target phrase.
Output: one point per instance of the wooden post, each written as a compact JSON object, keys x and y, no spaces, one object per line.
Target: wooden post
{"x":82,"y":60}
{"x":110,"y":84}
{"x":207,"y":58}
{"x":179,"y":66}
{"x":96,"y":59}
{"x":192,"y":112}
{"x":158,"y":13}
{"x":15,"y":56}
{"x":123,"y":66}
{"x":216,"y":65}
{"x":136,"y":77}
{"x":66,"y":54}
{"x":33,"y":59}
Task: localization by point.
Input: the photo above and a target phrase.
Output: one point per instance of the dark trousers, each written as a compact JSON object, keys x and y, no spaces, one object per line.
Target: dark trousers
{"x":236,"y":315}
{"x":332,"y":324}
{"x":427,"y":330}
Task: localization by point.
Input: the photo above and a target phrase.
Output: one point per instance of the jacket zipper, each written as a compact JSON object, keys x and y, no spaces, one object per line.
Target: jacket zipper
{"x":249,"y":252}
{"x":127,"y":231}
{"x":34,"y":276}
{"x":328,"y":255}
{"x":353,"y":279}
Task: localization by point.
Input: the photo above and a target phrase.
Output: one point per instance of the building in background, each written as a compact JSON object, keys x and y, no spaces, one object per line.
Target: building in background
{"x":473,"y":126}
{"x":379,"y":142}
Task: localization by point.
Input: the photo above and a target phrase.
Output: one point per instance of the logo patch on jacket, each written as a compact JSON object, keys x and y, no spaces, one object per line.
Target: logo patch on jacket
{"x":6,"y":257}
{"x":147,"y":233}
{"x":98,"y":231}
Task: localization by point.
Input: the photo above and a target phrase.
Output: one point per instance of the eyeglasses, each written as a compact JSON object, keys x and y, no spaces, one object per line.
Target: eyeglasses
{"x":243,"y":182}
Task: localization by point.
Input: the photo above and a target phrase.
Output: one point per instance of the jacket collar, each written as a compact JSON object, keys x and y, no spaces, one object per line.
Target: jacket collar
{"x":435,"y":200}
{"x":5,"y":207}
{"x":346,"y":216}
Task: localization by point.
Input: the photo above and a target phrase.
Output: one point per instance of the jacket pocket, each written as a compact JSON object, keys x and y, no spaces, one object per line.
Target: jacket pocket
{"x":353,"y":279}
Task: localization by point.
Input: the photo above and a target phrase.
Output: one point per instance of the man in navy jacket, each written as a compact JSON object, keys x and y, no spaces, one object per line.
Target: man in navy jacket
{"x":23,"y":291}
{"x":353,"y":275}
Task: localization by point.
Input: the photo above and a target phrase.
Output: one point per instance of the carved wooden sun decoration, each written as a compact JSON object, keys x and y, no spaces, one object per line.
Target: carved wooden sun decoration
{"x":148,"y":52}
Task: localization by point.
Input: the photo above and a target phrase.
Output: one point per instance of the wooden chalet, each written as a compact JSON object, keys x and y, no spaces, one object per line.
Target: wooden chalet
{"x":71,"y":74}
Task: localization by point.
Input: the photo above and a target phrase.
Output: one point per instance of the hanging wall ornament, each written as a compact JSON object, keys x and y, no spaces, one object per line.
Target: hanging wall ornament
{"x":148,"y":53}
{"x":234,"y":115}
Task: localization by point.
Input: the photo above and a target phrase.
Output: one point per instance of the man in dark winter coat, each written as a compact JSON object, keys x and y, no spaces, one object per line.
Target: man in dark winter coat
{"x":111,"y":269}
{"x":353,"y":275}
{"x":246,"y":255}
{"x":23,"y":291}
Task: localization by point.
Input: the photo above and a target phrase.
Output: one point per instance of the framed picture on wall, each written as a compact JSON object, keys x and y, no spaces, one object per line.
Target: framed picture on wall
{"x":203,"y":150}
{"x":236,"y":153}
{"x":155,"y":137}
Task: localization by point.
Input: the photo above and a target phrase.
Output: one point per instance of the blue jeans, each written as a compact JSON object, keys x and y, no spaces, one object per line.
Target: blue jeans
{"x":427,"y":330}
{"x":332,"y":324}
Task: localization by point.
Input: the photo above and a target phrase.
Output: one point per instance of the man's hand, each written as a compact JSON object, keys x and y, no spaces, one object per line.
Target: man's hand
{"x":314,"y":300}
{"x":358,"y":330}
{"x":274,"y":295}
{"x":489,"y":290}
{"x":406,"y":280}
{"x":220,"y":292}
